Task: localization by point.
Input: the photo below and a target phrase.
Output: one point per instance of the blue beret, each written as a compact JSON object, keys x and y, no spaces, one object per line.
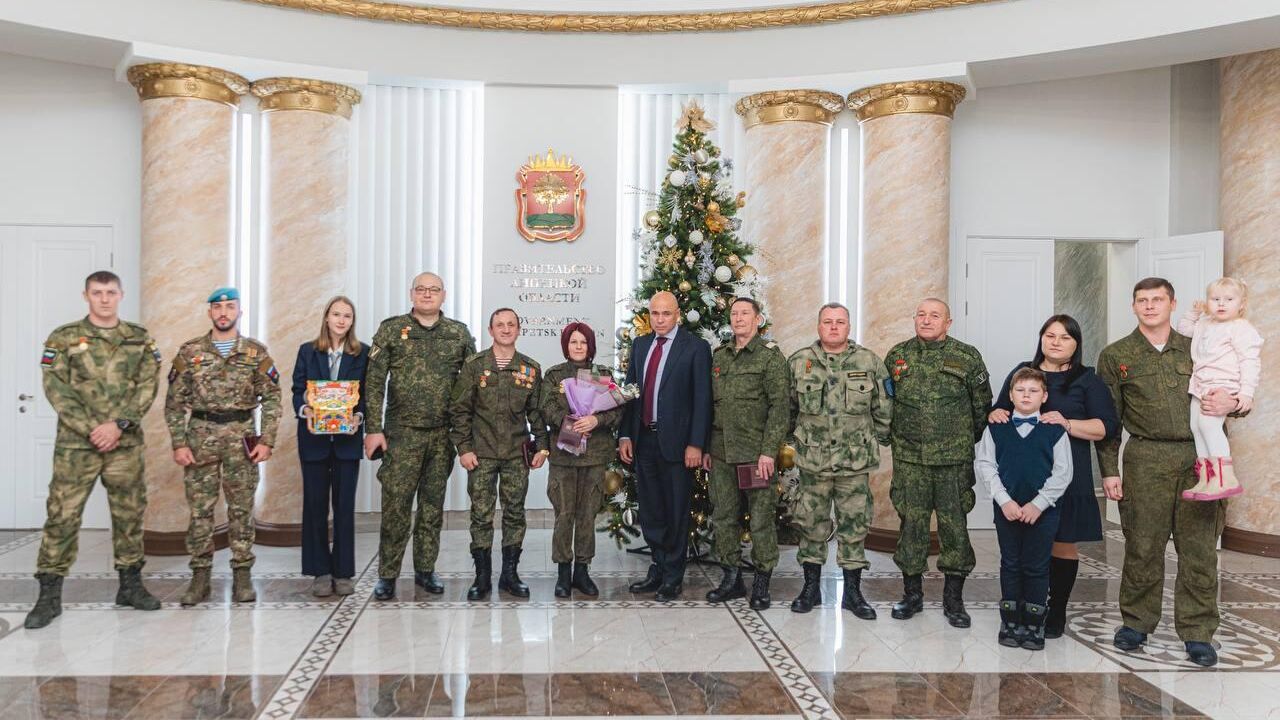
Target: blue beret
{"x":224,"y":294}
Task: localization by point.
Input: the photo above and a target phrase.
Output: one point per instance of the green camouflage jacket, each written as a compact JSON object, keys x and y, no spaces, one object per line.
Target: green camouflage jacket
{"x":423,"y":363}
{"x":1149,"y":388}
{"x":840,"y":409}
{"x":941,"y":399}
{"x":204,"y":381}
{"x":493,"y":411}
{"x":750,"y":388}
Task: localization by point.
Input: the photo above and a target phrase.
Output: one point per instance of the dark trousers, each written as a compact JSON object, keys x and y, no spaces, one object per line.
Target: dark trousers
{"x":1024,"y":556}
{"x":662,"y":489}
{"x":329,"y":483}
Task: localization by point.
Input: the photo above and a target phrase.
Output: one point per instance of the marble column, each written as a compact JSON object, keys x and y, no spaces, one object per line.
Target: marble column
{"x":305,"y":138}
{"x":787,"y":133}
{"x":906,"y":216}
{"x":188,"y":126}
{"x":1250,"y":210}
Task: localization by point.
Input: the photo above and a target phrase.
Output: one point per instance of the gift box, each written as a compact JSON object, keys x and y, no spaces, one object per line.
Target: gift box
{"x":332,"y":407}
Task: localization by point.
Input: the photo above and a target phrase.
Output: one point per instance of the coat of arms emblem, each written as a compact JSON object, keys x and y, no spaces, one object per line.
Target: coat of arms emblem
{"x":550,"y":199}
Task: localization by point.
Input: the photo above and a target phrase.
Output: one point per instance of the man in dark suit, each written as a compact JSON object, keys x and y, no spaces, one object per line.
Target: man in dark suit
{"x":664,"y":434}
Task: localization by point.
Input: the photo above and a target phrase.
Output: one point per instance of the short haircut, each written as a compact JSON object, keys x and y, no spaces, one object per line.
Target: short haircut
{"x":1153,"y":283}
{"x":755,"y":304}
{"x":1028,"y":373}
{"x":1230,"y":283}
{"x":945,"y":305}
{"x":103,"y":277}
{"x":502,"y":310}
{"x":833,"y":306}
{"x":587,"y":333}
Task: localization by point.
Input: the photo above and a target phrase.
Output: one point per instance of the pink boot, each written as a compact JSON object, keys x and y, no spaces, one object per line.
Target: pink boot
{"x":1204,"y":469}
{"x":1226,"y":485}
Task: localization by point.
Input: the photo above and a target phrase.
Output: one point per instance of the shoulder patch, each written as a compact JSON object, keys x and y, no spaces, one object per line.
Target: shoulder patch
{"x":374,"y":350}
{"x":47,"y":358}
{"x":273,"y":374}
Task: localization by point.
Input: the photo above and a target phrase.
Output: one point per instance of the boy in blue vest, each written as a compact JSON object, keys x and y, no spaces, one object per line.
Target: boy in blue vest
{"x":1027,"y":466}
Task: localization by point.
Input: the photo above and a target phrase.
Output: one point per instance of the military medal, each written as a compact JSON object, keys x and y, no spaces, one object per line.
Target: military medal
{"x":484,"y":379}
{"x":84,"y":343}
{"x":808,"y":365}
{"x":1124,"y":372}
{"x":404,"y":333}
{"x":716,"y":371}
{"x":899,"y":366}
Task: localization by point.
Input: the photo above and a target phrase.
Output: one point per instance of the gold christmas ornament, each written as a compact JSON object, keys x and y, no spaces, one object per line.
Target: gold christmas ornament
{"x":612,"y":482}
{"x":780,"y":488}
{"x":746,"y":536}
{"x":734,"y":260}
{"x":742,"y":199}
{"x":641,"y":324}
{"x":652,"y":220}
{"x":715,"y":222}
{"x":685,"y":286}
{"x":746,"y":272}
{"x":721,"y":303}
{"x":786,"y":457}
{"x":670,"y":259}
{"x":713,"y":206}
{"x":694,"y":117}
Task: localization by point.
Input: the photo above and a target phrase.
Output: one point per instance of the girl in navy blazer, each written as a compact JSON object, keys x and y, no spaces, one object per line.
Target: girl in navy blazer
{"x":330,"y":463}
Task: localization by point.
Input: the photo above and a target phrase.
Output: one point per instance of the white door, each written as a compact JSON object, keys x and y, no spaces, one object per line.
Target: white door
{"x":42,"y":271}
{"x":1008,"y":295}
{"x":1190,"y":262}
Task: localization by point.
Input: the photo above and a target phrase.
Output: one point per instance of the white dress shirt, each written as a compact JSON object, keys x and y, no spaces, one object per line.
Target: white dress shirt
{"x":988,"y":471}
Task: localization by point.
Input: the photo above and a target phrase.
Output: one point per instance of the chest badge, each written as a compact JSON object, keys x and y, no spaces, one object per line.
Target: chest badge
{"x":84,"y":343}
{"x":404,"y":333}
{"x":808,"y":366}
{"x":716,"y":371}
{"x":899,"y":367}
{"x":1124,"y":372}
{"x":484,"y":378}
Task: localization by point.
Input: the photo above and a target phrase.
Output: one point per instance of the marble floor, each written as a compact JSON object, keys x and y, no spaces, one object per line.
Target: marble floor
{"x":295,"y":656}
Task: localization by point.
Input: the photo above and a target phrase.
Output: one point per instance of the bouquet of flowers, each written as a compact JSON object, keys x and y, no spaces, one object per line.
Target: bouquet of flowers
{"x":588,"y":394}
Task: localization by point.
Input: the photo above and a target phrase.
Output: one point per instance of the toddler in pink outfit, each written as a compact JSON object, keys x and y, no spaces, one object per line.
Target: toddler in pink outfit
{"x":1226,"y":351}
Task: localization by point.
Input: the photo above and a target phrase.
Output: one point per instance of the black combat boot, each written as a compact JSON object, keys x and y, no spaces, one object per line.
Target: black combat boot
{"x":483,"y":558}
{"x":564,"y":577}
{"x":953,"y":601}
{"x":49,"y":606}
{"x":731,"y":587}
{"x":582,"y":581}
{"x":1012,"y":631}
{"x":132,"y":593}
{"x":760,"y":599}
{"x":384,"y":589}
{"x":1062,"y":578}
{"x":1033,"y":617}
{"x":853,"y":600}
{"x":429,"y":581}
{"x":509,"y":580}
{"x":912,"y":600}
{"x":811,"y":594}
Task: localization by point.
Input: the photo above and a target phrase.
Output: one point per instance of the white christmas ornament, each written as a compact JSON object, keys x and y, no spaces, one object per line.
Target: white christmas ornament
{"x":723,"y":274}
{"x":694,"y":316}
{"x":676,"y":178}
{"x":701,"y":155}
{"x":669,"y":241}
{"x":695,"y":237}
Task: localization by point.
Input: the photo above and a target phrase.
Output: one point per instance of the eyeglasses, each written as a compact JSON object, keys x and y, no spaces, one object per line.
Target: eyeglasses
{"x":433,"y":290}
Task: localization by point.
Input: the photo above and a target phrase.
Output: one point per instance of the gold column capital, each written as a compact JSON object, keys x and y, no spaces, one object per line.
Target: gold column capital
{"x":287,"y":93}
{"x":933,"y":97}
{"x":814,"y":106}
{"x":156,"y":80}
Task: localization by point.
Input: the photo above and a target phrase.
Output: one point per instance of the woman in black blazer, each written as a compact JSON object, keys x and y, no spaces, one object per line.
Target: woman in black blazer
{"x":330,"y":463}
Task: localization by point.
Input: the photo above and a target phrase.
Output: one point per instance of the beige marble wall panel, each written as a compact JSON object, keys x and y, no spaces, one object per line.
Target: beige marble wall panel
{"x":186,"y":234}
{"x":1250,"y":209}
{"x":306,"y":258}
{"x":787,"y":221}
{"x":906,"y":201}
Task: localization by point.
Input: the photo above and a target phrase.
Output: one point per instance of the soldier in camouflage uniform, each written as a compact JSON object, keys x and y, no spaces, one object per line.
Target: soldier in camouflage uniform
{"x":421,"y":352}
{"x":749,"y":385}
{"x":216,"y":382}
{"x":1148,"y":374}
{"x":100,"y":375}
{"x":941,"y":399}
{"x":495,"y":406}
{"x":574,"y":481}
{"x":841,"y":409}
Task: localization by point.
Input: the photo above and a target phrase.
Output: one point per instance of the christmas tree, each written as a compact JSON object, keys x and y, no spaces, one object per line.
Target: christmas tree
{"x":690,"y":248}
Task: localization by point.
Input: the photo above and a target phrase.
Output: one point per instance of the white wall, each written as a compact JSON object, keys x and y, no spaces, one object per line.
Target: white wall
{"x":582,"y":123}
{"x":70,"y":153}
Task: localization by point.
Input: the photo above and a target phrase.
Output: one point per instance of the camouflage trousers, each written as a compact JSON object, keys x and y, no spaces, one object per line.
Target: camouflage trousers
{"x":576,"y":495}
{"x":492,"y":480}
{"x":1155,"y":474}
{"x":849,"y":497}
{"x":417,"y":464}
{"x":918,"y":491}
{"x":221,"y":463}
{"x":75,"y":471}
{"x":726,"y":501}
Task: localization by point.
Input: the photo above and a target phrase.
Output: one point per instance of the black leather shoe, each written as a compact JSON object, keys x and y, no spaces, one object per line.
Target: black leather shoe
{"x":429,"y":582}
{"x":1201,"y":653}
{"x":912,"y":601}
{"x":760,"y":599}
{"x":853,"y":601}
{"x":668,"y":593}
{"x":953,"y":601}
{"x":385,"y":589}
{"x":650,"y":583}
{"x":731,"y":587}
{"x":1128,"y":639}
{"x":582,"y":582}
{"x":563,"y":578}
{"x":811,"y":594}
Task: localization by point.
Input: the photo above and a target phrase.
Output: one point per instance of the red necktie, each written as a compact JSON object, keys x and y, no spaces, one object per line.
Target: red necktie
{"x":651,"y":380}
